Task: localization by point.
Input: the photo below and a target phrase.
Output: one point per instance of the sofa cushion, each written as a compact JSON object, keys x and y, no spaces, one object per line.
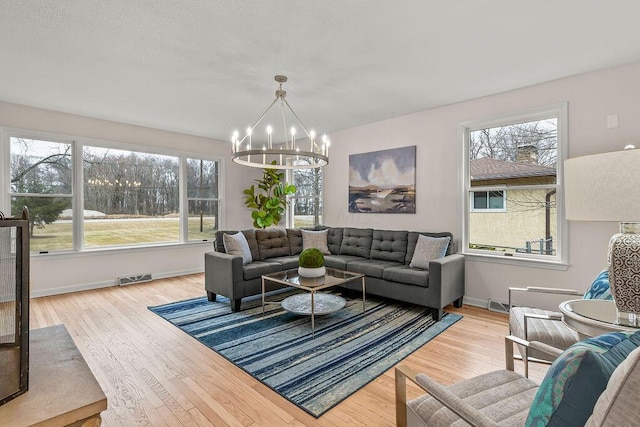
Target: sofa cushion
{"x":371,"y":267}
{"x":389,"y":245}
{"x":427,"y":249}
{"x":287,"y":262}
{"x":413,"y":239}
{"x":258,"y":268}
{"x":339,"y":261}
{"x":272,"y":242}
{"x":407,"y":275}
{"x":577,"y":378}
{"x":295,"y":240}
{"x":356,"y":241}
{"x":334,"y":238}
{"x":237,"y":245}
{"x":250,"y":236}
{"x":315,"y":239}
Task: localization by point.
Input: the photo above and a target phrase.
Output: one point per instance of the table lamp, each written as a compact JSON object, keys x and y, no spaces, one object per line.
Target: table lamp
{"x":606,"y":187}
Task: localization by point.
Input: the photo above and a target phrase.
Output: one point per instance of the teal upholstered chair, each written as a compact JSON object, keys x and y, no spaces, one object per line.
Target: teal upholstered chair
{"x":595,"y":382}
{"x":534,"y":324}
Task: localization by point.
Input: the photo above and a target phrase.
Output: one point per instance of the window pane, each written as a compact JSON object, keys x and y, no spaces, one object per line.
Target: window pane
{"x":307,"y":211}
{"x":203,"y":219}
{"x":480,"y":200}
{"x":130,"y":197}
{"x":496,"y":200}
{"x":40,"y":166}
{"x":50,"y":221}
{"x":529,"y":225}
{"x":202,"y":179}
{"x":517,"y":154}
{"x":307,"y":204}
{"x":308,"y":182}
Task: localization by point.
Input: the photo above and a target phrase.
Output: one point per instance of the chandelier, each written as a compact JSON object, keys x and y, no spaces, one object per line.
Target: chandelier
{"x":260,"y":151}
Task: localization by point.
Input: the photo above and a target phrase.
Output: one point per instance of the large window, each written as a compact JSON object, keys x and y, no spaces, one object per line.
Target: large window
{"x":305,"y":209}
{"x":114,"y":197}
{"x":511,"y":185}
{"x":129,"y":197}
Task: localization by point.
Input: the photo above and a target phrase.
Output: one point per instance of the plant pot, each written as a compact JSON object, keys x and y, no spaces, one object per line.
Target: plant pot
{"x":311,"y":272}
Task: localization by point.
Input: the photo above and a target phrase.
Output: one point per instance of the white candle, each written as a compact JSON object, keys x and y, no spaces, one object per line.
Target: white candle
{"x":249,"y":132}
{"x":293,"y":137}
{"x":269,"y":140}
{"x":312,"y":136}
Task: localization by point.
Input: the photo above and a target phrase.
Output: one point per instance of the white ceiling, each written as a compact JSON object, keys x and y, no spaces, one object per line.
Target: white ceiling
{"x":205,"y":67}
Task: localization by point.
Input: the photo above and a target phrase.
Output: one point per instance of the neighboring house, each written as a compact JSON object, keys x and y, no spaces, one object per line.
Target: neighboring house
{"x":512,"y":220}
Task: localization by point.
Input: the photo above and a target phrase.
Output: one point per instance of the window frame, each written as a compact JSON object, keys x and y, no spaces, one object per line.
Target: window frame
{"x":558,"y":261}
{"x":77,"y":204}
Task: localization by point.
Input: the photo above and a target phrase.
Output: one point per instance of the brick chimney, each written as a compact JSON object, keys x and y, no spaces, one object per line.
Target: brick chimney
{"x":527,"y":154}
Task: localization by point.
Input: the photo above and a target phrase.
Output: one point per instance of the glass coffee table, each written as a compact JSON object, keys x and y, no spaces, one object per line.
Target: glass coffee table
{"x":312,"y":302}
{"x":593,"y":317}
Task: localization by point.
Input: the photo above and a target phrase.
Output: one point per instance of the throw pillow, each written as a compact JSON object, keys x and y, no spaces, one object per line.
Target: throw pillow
{"x":600,"y":288}
{"x":237,"y":245}
{"x":428,"y":248}
{"x":315,"y":239}
{"x":578,"y":377}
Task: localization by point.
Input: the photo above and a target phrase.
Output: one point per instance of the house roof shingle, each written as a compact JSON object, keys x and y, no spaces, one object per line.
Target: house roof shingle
{"x":487,"y":168}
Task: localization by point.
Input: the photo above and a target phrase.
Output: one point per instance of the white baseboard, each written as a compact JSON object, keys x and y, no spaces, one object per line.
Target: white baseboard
{"x":476,"y":302}
{"x":105,"y":284}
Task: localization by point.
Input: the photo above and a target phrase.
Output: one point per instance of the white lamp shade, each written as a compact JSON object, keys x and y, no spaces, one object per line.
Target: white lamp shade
{"x":603,"y":187}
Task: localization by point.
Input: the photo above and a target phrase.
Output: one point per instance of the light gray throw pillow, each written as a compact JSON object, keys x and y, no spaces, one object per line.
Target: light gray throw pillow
{"x":237,"y":245}
{"x":427,"y":249}
{"x":315,"y":239}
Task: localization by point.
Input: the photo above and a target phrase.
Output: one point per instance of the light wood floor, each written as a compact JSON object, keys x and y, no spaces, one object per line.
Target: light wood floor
{"x":154,"y":374}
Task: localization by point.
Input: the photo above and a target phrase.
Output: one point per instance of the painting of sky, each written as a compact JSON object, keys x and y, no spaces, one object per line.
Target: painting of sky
{"x":383,"y":181}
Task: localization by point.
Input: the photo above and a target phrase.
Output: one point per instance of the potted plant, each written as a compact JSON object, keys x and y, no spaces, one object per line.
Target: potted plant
{"x":270,"y":200}
{"x":311,"y":263}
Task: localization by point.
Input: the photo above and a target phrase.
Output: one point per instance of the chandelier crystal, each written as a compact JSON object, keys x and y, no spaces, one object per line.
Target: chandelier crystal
{"x":258,"y":150}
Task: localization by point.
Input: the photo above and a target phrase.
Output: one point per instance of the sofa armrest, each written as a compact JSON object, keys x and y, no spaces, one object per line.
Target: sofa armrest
{"x":221,"y":270}
{"x":446,"y":275}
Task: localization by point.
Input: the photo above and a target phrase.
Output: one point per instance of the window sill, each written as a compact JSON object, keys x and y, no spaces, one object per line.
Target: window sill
{"x":123,"y":249}
{"x":517,"y":261}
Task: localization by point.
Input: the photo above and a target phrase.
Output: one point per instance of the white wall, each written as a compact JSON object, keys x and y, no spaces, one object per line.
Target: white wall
{"x":58,"y":273}
{"x":591,"y":98}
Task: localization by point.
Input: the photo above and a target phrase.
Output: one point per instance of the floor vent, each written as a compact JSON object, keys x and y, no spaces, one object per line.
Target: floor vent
{"x":498,"y":306}
{"x":137,"y":278}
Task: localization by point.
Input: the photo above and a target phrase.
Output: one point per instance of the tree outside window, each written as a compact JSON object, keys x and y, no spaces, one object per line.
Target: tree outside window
{"x":41,"y":180}
{"x":306,"y":204}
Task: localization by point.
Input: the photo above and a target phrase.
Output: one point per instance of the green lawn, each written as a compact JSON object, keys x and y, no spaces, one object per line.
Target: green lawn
{"x":57,"y":236}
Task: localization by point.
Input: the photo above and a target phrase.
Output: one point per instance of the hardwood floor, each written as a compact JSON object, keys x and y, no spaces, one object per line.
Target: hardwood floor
{"x":156,"y":375}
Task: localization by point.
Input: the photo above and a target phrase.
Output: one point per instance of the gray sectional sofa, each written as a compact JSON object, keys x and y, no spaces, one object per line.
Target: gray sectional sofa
{"x":382,"y":255}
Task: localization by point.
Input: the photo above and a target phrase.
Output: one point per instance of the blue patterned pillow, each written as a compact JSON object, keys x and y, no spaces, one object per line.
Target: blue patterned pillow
{"x":600,"y":288}
{"x":576,"y":379}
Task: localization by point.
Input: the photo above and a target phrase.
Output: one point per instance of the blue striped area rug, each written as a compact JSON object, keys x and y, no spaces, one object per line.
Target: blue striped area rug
{"x":349,"y":350}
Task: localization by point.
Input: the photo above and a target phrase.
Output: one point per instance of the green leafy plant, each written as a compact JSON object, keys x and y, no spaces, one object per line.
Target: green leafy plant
{"x":269,"y":200}
{"x":311,"y":258}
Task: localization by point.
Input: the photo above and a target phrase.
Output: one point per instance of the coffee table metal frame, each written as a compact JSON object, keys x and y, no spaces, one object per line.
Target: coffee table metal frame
{"x":333,"y":277}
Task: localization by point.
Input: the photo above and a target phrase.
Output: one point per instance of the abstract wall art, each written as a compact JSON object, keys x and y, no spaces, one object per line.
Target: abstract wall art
{"x":383,"y":181}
